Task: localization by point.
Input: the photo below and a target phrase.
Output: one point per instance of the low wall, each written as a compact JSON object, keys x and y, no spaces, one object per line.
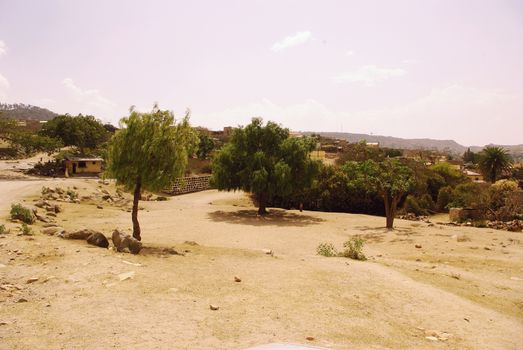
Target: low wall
{"x":463,"y":214}
{"x":190,"y":184}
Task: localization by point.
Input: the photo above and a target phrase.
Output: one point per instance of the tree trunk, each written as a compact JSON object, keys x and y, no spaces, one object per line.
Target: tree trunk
{"x":389,"y":210}
{"x":134,"y":213}
{"x":262,"y":204}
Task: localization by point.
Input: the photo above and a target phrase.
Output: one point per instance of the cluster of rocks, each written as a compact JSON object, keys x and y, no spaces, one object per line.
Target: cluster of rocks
{"x":514,"y":225}
{"x":122,"y":242}
{"x":414,"y":217}
{"x":60,"y":195}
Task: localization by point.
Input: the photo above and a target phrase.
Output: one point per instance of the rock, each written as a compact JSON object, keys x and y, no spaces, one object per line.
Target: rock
{"x":32,"y":279}
{"x":107,"y":197}
{"x":431,"y":338}
{"x":49,"y":224}
{"x":41,"y":218}
{"x":4,"y":323}
{"x":22,"y":300}
{"x":122,"y":241}
{"x":487,"y":248}
{"x":418,"y":246}
{"x":53,"y":214}
{"x":310,"y":338}
{"x":41,"y":204}
{"x":53,"y":231}
{"x":193,"y":243}
{"x":130,"y":263}
{"x":214,"y":307}
{"x":237,"y":279}
{"x":98,"y":239}
{"x":58,"y":209}
{"x":126,"y":275}
{"x":268,"y":251}
{"x":80,"y":234}
{"x":99,"y":207}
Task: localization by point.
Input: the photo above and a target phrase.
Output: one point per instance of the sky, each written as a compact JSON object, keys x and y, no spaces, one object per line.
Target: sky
{"x":443,"y":69}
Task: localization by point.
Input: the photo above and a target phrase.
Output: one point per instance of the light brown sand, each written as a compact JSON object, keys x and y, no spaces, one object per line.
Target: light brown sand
{"x":393,"y":300}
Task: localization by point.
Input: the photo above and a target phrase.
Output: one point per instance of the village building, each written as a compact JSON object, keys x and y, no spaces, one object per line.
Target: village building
{"x":474,"y":176}
{"x":84,"y":166}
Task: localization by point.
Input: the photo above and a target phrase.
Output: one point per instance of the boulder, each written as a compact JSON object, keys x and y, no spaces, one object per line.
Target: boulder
{"x":124,"y":241}
{"x":53,"y":230}
{"x":80,"y":234}
{"x":98,"y":239}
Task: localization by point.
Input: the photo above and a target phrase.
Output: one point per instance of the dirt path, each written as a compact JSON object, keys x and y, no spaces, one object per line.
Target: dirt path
{"x":451,"y":290}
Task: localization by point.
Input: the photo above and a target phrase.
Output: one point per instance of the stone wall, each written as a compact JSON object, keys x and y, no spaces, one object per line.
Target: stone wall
{"x":463,"y":214}
{"x":190,"y":184}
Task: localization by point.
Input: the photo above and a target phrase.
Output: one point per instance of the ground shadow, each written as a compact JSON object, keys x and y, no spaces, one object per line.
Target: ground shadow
{"x":274,"y":218}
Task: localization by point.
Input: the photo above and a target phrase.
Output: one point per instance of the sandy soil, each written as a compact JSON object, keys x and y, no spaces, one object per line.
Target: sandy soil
{"x":464,"y":284}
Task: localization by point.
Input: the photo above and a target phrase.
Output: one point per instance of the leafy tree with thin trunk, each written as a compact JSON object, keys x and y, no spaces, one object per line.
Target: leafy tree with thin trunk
{"x":264,"y":160}
{"x":148,"y":153}
{"x":389,"y":178}
{"x":493,"y":161}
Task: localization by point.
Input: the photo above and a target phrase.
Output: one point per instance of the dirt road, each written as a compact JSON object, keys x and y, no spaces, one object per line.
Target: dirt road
{"x":463,"y":289}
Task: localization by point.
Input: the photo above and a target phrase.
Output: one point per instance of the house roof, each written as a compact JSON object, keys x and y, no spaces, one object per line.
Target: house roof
{"x":80,"y":159}
{"x":471,"y":173}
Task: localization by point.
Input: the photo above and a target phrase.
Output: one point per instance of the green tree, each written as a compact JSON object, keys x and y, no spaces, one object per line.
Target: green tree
{"x":493,"y":161}
{"x":263,"y":160}
{"x":24,"y":140}
{"x":205,"y":146}
{"x":470,"y":157}
{"x":148,"y":153}
{"x":390,"y":178}
{"x":82,"y":131}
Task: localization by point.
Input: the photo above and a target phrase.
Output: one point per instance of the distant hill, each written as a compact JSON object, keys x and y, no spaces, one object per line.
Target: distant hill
{"x":450,"y":146}
{"x":26,"y":112}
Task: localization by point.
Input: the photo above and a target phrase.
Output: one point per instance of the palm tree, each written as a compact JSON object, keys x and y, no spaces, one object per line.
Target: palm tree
{"x":493,"y":161}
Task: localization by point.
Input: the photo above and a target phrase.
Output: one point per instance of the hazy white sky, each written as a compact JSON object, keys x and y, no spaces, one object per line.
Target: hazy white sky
{"x":439,"y":69}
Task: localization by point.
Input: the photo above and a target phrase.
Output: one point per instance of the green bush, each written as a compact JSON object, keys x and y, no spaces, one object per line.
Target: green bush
{"x":444,"y":198}
{"x":412,"y":206}
{"x":353,"y":249}
{"x":326,"y":249}
{"x":26,"y":230}
{"x":72,"y":194}
{"x":3,"y":230}
{"x":22,"y":213}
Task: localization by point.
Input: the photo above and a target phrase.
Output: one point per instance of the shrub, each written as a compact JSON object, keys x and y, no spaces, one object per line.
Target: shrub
{"x":326,"y":249}
{"x":22,"y":213}
{"x":26,"y":230}
{"x":444,"y":198}
{"x":353,"y":249}
{"x":3,"y":230}
{"x":412,"y":206}
{"x":479,"y":223}
{"x":72,"y":194}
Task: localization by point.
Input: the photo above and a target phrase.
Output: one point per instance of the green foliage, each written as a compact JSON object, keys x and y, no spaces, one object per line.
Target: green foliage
{"x":444,"y":198}
{"x":353,"y":249}
{"x":263,"y":160}
{"x":469,"y":195}
{"x":326,"y":249}
{"x":470,"y":157}
{"x":150,"y":148}
{"x":205,"y":146}
{"x":19,"y":212}
{"x":493,"y":161}
{"x":419,"y":206}
{"x":450,"y":174}
{"x":3,"y":230}
{"x":25,"y":141}
{"x":84,"y":132}
{"x":72,"y":194}
{"x":360,"y":152}
{"x":26,"y":230}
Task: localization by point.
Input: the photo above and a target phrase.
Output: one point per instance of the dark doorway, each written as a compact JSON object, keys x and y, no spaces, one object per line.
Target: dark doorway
{"x":74,"y":168}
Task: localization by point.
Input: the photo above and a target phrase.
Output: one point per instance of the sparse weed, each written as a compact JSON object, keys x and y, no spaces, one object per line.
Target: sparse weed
{"x":3,"y":230}
{"x":22,"y":213}
{"x":72,"y":194}
{"x":353,"y":249}
{"x":326,"y":249}
{"x":26,"y":230}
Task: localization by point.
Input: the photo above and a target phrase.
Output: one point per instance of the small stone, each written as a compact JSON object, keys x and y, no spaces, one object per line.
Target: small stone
{"x":310,"y":338}
{"x":126,"y":275}
{"x":431,"y":338}
{"x":99,"y":207}
{"x":267,"y":251}
{"x":214,"y":307}
{"x":22,"y":300}
{"x":418,"y":246}
{"x":237,"y":279}
{"x":487,"y":248}
{"x":32,"y":279}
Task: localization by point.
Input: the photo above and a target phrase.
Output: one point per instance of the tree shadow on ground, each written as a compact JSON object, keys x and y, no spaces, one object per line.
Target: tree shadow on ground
{"x":382,"y":229}
{"x":274,"y":218}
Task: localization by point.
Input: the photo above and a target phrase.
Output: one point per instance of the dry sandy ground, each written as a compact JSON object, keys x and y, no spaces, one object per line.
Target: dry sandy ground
{"x":464,"y":282}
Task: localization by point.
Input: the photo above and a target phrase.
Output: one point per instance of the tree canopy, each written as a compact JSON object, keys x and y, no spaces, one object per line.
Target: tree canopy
{"x":493,"y":161}
{"x":25,"y":141}
{"x":148,"y":153}
{"x":264,"y":160}
{"x":84,"y":132}
{"x":390,"y":178}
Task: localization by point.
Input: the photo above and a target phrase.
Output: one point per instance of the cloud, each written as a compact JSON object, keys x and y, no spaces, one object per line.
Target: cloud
{"x":3,"y":48}
{"x":88,"y":101}
{"x":349,"y":53}
{"x":292,"y":40}
{"x":4,"y":86}
{"x":409,"y":61}
{"x":370,"y":75}
{"x":307,"y":115}
{"x":471,"y":116}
